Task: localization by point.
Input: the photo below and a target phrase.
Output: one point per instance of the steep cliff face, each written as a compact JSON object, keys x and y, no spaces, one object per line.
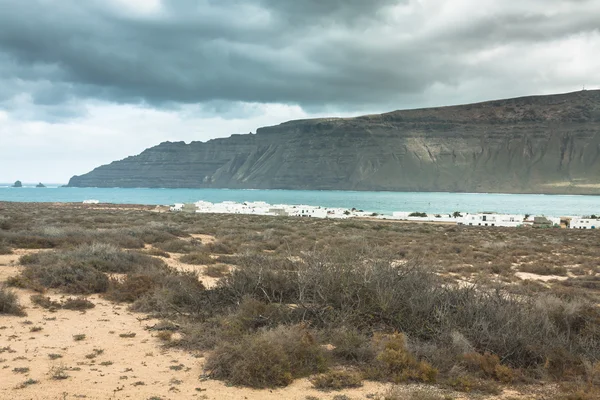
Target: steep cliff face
{"x":538,"y":144}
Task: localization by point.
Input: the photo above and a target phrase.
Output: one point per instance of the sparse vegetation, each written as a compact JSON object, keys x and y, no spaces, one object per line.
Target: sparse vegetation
{"x":338,"y":301}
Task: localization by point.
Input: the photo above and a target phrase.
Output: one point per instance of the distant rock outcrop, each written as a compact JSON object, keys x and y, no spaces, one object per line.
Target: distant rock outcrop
{"x":17,"y":184}
{"x":40,"y":185}
{"x":537,"y":144}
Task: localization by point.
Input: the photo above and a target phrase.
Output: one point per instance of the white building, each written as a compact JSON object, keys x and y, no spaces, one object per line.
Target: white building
{"x":481,"y":219}
{"x":584,"y":223}
{"x":307,"y":211}
{"x":91,"y":202}
{"x":176,"y":207}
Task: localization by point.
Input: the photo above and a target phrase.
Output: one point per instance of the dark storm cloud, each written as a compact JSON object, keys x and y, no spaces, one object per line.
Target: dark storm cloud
{"x":316,"y":53}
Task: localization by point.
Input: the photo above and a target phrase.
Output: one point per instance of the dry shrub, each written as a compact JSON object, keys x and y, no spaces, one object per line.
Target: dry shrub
{"x":175,"y":293}
{"x":468,"y":384}
{"x":543,"y":269}
{"x":351,"y":346}
{"x":9,"y":303}
{"x":337,"y":379}
{"x":179,"y":246}
{"x":100,"y":256}
{"x":152,"y":236}
{"x":68,"y":278}
{"x":218,"y":248}
{"x":157,"y":253}
{"x":489,"y":365}
{"x":577,"y":391}
{"x":81,"y":270}
{"x":268,"y":359}
{"x":164,"y":335}
{"x":400,"y":393}
{"x":5,"y":249}
{"x":77,"y":303}
{"x":197,"y":258}
{"x":130,"y":288}
{"x":216,"y":271}
{"x":45,"y":302}
{"x":394,"y":363}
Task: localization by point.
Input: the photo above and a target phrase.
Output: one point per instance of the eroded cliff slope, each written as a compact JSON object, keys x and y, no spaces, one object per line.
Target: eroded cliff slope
{"x":537,"y":144}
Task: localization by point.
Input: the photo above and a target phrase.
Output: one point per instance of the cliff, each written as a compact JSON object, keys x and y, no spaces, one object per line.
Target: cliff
{"x":537,"y":144}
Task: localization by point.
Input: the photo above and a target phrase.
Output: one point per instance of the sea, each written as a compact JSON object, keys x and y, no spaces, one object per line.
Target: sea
{"x":378,"y":202}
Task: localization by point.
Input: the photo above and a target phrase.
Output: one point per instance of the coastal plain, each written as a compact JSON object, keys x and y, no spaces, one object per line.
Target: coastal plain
{"x":129,"y":301}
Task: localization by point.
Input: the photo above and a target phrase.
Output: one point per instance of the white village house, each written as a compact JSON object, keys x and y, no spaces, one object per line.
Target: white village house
{"x":584,"y":223}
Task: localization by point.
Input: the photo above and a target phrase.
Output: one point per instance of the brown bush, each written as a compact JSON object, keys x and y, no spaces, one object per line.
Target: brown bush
{"x":9,"y":303}
{"x":337,"y":379}
{"x":268,"y":359}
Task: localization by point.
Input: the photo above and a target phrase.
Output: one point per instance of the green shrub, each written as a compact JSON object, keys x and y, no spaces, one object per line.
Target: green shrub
{"x":9,"y":303}
{"x":268,"y":359}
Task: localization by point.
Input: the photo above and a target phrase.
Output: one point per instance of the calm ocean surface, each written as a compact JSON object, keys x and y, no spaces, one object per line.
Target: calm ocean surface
{"x":380,"y":202}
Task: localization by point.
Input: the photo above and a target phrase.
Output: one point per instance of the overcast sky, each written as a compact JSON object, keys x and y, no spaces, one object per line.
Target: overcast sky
{"x":83,"y":83}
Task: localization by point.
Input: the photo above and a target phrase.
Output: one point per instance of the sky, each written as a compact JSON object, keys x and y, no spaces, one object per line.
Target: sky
{"x":84,"y":83}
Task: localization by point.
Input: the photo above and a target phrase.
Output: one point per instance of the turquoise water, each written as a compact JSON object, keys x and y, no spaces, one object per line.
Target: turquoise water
{"x":380,"y":202}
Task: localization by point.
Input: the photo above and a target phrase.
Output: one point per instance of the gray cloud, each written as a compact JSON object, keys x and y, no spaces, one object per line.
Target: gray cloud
{"x":341,"y":54}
